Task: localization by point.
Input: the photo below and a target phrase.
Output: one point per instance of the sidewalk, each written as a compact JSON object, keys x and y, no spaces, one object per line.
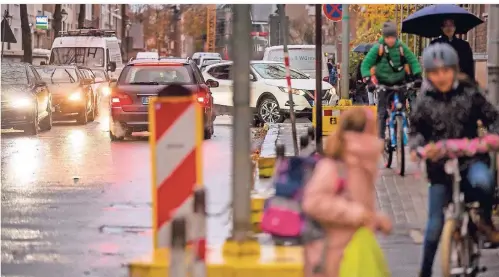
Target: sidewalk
{"x":404,"y":199}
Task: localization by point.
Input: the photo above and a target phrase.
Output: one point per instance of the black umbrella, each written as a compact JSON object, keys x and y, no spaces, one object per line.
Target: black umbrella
{"x":363,"y":48}
{"x":427,"y":22}
{"x":7,"y":35}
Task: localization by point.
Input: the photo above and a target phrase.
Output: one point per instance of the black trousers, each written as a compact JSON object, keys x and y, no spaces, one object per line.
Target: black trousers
{"x":385,"y":98}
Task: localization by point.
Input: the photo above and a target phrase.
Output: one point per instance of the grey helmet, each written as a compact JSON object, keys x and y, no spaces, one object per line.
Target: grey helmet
{"x":440,"y":55}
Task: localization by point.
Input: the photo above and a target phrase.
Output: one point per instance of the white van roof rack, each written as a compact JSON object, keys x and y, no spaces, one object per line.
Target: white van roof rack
{"x":88,"y":33}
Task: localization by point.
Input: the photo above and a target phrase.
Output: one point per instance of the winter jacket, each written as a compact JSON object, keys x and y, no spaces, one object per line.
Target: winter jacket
{"x":463,"y":49}
{"x":438,"y":116}
{"x":384,"y":72}
{"x":341,"y":212}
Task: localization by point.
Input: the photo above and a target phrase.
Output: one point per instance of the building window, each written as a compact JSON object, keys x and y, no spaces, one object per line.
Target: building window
{"x":466,"y":36}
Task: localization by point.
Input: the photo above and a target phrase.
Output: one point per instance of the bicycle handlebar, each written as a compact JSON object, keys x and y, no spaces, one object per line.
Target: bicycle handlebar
{"x":408,"y":85}
{"x":455,"y":148}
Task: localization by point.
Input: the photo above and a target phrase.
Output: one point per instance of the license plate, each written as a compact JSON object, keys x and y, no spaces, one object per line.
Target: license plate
{"x":145,"y":100}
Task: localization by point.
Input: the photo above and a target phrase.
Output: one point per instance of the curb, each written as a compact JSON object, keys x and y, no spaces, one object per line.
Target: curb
{"x":267,"y":157}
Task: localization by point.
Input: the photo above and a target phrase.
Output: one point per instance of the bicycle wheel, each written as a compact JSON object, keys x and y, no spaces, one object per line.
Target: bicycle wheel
{"x":388,"y":152}
{"x":400,"y":145}
{"x":454,"y":250}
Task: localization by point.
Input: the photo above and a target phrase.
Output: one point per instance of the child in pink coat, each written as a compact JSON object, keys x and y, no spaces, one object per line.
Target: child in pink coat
{"x":340,"y":194}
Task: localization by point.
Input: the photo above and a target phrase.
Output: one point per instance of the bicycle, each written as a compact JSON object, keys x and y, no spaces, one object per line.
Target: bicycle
{"x":461,"y":241}
{"x":396,"y":126}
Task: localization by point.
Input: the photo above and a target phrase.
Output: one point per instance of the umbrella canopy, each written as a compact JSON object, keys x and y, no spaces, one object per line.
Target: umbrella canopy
{"x":363,"y":48}
{"x":427,"y":22}
{"x":7,"y":34}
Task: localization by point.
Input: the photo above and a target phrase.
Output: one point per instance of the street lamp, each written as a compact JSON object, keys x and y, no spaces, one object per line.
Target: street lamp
{"x":8,"y":18}
{"x":64,"y":15}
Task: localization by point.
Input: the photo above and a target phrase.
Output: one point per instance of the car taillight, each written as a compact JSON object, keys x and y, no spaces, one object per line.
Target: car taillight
{"x":119,"y":99}
{"x":201,"y":99}
{"x":202,"y":96}
{"x":325,"y":79}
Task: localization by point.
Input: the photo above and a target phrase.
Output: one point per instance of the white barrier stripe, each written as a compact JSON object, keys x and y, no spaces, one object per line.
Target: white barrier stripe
{"x":185,"y":210}
{"x":175,"y":144}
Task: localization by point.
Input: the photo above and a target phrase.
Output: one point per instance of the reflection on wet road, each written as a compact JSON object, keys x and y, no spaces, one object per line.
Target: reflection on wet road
{"x":75,"y":204}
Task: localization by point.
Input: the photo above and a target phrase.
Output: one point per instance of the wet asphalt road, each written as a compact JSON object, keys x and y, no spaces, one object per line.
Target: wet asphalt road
{"x":75,"y":204}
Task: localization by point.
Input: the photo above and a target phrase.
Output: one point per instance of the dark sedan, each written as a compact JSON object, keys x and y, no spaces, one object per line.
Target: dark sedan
{"x":26,"y":100}
{"x":72,"y":91}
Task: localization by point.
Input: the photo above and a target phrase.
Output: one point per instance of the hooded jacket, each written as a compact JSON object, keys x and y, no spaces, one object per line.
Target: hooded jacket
{"x":463,"y":49}
{"x":452,"y":115}
{"x":384,"y":72}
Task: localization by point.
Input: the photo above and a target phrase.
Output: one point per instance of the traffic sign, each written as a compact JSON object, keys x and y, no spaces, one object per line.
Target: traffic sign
{"x":333,"y":12}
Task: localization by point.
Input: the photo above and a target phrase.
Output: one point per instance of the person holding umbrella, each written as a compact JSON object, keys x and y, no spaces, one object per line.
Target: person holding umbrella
{"x":462,"y":47}
{"x":452,"y":20}
{"x":389,"y":62}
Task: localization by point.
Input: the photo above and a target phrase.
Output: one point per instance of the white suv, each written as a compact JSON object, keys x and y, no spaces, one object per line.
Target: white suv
{"x":269,"y":95}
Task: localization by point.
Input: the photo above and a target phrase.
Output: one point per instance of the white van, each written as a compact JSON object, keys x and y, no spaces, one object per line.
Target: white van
{"x":200,"y":58}
{"x":301,"y":57}
{"x":93,"y":48}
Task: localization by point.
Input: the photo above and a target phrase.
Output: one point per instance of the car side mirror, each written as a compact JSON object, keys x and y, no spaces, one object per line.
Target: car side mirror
{"x":212,"y":83}
{"x":111,"y":66}
{"x":252,"y":77}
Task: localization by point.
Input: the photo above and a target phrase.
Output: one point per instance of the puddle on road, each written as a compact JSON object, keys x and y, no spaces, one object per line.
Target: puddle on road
{"x":130,"y":205}
{"x":139,"y":230}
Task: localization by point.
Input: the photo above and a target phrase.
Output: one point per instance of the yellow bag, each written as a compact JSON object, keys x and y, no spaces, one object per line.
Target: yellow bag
{"x":363,"y":257}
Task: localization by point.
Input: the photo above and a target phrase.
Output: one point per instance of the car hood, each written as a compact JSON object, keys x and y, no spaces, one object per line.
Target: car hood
{"x":306,"y":84}
{"x":63,"y":89}
{"x":15,"y":91}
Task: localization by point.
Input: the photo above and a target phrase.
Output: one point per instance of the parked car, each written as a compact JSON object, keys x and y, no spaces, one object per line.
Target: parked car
{"x":101,"y":85}
{"x":26,"y":99}
{"x":141,"y":79}
{"x":269,"y":96}
{"x":71,"y":87}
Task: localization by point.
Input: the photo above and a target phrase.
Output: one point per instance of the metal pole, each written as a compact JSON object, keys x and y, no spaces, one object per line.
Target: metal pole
{"x":5,"y":22}
{"x":345,"y":49}
{"x":318,"y":78}
{"x":284,"y":35}
{"x":493,"y":53}
{"x":241,"y":162}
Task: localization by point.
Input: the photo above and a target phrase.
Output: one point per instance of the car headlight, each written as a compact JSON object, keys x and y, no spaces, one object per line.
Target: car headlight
{"x":75,"y":96}
{"x":21,"y":103}
{"x":293,"y":91}
{"x":106,"y":91}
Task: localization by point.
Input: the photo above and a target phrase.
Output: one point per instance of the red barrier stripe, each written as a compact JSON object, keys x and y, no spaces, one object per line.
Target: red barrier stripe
{"x":176,"y":188}
{"x":167,"y":114}
{"x":328,"y":112}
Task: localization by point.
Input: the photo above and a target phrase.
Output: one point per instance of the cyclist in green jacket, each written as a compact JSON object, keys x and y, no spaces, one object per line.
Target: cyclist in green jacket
{"x":389,"y":62}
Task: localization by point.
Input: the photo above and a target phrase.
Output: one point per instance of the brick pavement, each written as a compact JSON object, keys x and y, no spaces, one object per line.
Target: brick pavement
{"x":404,"y":199}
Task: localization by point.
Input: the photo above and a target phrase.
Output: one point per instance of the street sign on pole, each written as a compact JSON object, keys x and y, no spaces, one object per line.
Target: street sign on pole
{"x":42,"y":22}
{"x":333,"y":12}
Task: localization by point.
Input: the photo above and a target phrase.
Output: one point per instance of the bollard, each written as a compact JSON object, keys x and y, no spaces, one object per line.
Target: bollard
{"x":303,"y":142}
{"x":280,"y":151}
{"x":311,"y":133}
{"x":199,"y":234}
{"x":178,"y":244}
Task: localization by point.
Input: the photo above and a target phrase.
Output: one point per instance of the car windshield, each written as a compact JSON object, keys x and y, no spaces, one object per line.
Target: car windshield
{"x":57,"y":75}
{"x":14,"y":75}
{"x":276,"y":71}
{"x":84,"y":56}
{"x":160,"y":74}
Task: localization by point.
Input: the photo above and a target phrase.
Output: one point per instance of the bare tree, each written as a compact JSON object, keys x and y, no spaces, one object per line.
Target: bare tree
{"x":57,"y":20}
{"x":26,"y":34}
{"x":81,"y":17}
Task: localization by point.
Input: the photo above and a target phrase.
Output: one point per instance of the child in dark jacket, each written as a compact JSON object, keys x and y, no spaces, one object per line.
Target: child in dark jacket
{"x":449,"y":107}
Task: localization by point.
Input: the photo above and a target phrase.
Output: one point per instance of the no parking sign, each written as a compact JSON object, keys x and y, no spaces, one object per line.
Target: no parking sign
{"x":333,"y":12}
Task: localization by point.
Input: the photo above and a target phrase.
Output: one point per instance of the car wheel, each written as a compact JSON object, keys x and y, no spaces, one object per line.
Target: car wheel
{"x":83,"y":115}
{"x":96,"y":107}
{"x":91,"y":116}
{"x":31,"y":129}
{"x":269,"y":111}
{"x":46,"y":123}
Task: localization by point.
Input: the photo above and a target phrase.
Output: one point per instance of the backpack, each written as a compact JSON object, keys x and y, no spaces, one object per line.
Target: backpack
{"x":383,"y":52}
{"x":283,"y":215}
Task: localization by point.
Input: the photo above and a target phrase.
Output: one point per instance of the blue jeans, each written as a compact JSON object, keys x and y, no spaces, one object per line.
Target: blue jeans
{"x":477,"y":186}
